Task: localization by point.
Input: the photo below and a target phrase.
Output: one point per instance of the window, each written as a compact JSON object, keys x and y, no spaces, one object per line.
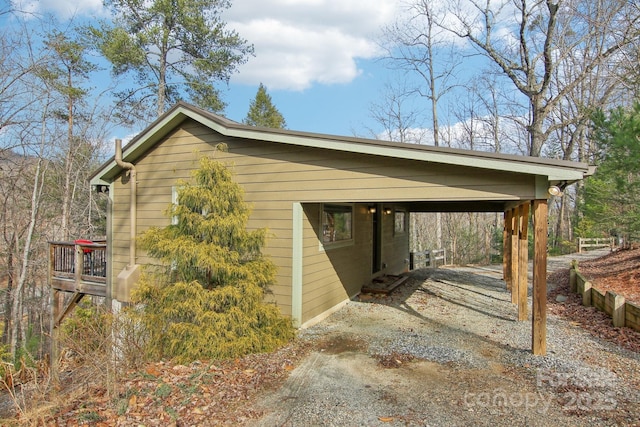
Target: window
{"x":400,"y":222}
{"x":337,"y":223}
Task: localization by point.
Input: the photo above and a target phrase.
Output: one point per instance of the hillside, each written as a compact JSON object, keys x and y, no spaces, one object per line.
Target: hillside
{"x":619,"y":272}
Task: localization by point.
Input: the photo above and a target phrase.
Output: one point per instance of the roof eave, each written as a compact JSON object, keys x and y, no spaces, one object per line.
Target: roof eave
{"x":554,"y":170}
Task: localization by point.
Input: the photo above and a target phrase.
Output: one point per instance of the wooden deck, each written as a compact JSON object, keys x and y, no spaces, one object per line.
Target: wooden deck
{"x":79,"y":266}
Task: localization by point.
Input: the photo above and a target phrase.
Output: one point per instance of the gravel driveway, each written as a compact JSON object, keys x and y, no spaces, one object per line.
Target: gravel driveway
{"x":445,"y":350}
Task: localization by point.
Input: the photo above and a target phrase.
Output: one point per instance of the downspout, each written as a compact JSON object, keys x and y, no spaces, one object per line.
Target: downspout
{"x":132,"y":203}
{"x":129,"y":275}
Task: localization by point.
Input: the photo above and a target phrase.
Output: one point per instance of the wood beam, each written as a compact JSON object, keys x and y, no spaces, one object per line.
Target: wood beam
{"x":523,"y":261}
{"x":539,"y":320}
{"x":75,"y":299}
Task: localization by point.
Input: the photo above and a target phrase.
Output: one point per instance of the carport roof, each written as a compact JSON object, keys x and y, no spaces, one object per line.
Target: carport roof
{"x":553,"y":170}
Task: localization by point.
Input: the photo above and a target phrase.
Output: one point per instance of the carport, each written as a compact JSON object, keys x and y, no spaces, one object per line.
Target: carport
{"x":541,"y":178}
{"x":515,"y":264}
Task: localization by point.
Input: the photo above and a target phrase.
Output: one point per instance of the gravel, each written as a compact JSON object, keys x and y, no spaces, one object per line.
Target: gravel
{"x":444,"y":349}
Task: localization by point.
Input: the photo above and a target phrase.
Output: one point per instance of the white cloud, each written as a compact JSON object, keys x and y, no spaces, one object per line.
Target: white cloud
{"x":302,"y":42}
{"x":64,"y":9}
{"x":298,"y":43}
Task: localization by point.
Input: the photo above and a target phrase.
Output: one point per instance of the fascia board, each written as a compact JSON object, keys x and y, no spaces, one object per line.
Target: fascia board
{"x":554,"y":172}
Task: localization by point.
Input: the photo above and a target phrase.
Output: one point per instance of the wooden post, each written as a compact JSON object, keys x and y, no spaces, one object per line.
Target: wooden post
{"x":506,"y":249}
{"x":539,"y":311}
{"x":617,"y":308}
{"x":54,"y":350}
{"x":523,"y":261}
{"x":586,"y":294}
{"x":573,"y":279}
{"x":78,"y":265}
{"x":515,"y":260}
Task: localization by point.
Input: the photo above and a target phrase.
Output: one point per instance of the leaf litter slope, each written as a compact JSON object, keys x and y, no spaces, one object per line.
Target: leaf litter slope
{"x":442,"y":349}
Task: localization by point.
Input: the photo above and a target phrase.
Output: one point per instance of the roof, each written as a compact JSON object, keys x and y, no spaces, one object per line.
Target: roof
{"x":554,"y":170}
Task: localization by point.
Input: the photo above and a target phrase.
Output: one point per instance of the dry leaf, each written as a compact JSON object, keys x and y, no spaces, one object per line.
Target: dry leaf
{"x":152,"y":370}
{"x":385,"y":419}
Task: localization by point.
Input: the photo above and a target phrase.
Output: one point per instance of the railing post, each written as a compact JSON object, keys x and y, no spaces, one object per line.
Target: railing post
{"x":79,"y":265}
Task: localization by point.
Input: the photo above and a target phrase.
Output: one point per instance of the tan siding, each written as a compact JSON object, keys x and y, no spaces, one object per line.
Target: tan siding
{"x":159,"y":171}
{"x":274,"y":176}
{"x":334,"y":274}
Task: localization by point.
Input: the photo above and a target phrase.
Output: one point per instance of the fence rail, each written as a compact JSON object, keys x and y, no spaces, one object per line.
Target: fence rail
{"x":594,"y":243}
{"x":430,"y":258}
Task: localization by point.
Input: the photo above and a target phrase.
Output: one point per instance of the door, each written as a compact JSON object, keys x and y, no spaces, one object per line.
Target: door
{"x":376,"y":241}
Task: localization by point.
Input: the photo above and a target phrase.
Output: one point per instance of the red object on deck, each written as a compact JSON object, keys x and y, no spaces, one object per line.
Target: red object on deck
{"x":84,"y":242}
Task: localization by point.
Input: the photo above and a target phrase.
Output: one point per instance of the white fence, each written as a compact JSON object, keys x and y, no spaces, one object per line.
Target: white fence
{"x":594,"y":243}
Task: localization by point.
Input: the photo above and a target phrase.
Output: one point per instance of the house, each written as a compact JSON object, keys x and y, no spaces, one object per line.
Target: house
{"x":336,"y":208}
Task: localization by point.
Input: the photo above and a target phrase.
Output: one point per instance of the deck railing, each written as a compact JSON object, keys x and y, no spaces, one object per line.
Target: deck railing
{"x":79,"y":266}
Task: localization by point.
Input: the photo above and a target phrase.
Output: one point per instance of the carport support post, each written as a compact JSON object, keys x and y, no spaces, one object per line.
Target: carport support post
{"x":523,"y":261}
{"x":539,"y":322}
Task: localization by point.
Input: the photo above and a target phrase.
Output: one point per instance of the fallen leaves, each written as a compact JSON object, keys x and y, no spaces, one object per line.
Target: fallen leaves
{"x":618,"y":272}
{"x":611,"y":269}
{"x":394,"y":359}
{"x":200,"y":394}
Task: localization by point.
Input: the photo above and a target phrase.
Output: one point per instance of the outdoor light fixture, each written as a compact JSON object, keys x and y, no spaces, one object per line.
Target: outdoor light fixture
{"x":556,"y":190}
{"x":371,"y":209}
{"x":387,"y":211}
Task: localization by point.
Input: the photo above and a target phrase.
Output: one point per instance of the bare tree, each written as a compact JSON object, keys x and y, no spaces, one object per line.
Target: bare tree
{"x":419,"y":46}
{"x":47,"y":148}
{"x":396,"y":114}
{"x":528,"y":40}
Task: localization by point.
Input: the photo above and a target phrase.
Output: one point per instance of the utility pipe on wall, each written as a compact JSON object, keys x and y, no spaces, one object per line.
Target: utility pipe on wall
{"x":132,"y":204}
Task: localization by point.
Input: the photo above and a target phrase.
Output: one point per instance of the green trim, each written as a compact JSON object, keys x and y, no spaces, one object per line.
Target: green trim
{"x":542,"y":187}
{"x":559,"y":170}
{"x":296,"y":264}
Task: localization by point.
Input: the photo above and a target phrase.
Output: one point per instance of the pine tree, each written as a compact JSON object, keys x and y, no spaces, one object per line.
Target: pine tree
{"x":171,"y":50}
{"x":263,"y":113}
{"x":213,"y":305}
{"x":612,"y":194}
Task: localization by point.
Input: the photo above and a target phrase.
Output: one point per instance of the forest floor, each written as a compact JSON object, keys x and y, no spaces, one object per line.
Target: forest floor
{"x":618,"y":271}
{"x":442,"y":349}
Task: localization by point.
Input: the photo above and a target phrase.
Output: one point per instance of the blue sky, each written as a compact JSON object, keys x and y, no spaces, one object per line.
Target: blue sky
{"x":338,"y":108}
{"x":317,"y":58}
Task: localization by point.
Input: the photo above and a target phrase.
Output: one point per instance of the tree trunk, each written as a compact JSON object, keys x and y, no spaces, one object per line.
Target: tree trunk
{"x":36,"y":197}
{"x":9,"y":293}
